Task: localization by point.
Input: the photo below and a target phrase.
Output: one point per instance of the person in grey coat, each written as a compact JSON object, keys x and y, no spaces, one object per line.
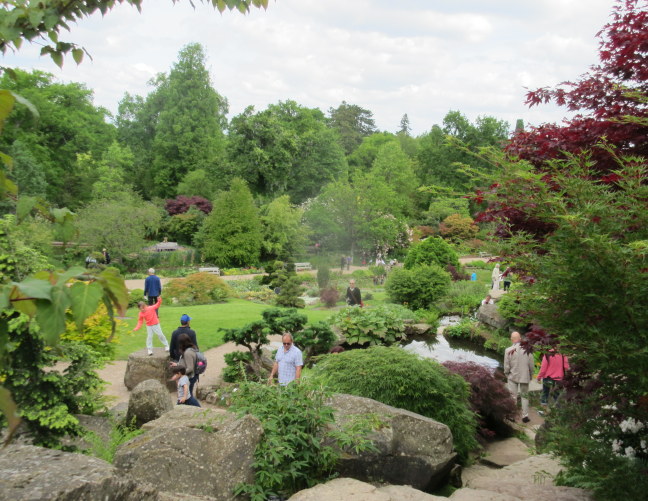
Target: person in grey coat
{"x":518,"y":369}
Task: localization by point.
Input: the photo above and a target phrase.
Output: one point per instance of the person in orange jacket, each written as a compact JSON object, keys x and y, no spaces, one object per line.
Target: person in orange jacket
{"x":148,"y":314}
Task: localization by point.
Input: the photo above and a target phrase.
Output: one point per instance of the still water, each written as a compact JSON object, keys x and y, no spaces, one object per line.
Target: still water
{"x":444,"y":350}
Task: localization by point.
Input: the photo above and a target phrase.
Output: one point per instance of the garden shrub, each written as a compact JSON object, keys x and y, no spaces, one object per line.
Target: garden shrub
{"x":432,"y":250}
{"x":510,"y":305}
{"x":299,"y":448}
{"x":382,"y":325}
{"x":329,"y":296}
{"x":134,"y":297}
{"x":97,"y":332}
{"x":106,"y":449}
{"x":360,"y":274}
{"x":489,"y":398}
{"x":456,"y":274}
{"x":323,"y":276}
{"x":289,"y":293}
{"x":417,"y":288}
{"x":462,"y":297}
{"x":404,"y":380}
{"x":197,"y":288}
{"x":458,"y":228}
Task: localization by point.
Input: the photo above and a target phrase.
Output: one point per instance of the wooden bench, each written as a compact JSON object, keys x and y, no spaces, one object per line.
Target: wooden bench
{"x":215,"y":271}
{"x":484,"y":254}
{"x":303,"y":266}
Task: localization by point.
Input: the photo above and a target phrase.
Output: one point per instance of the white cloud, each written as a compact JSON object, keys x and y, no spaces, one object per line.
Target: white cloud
{"x":420,"y":57}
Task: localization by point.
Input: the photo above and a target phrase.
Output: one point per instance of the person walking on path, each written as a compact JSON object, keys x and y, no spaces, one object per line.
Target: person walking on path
{"x":552,"y":372}
{"x":184,"y":328}
{"x":518,"y":369}
{"x":149,"y":315}
{"x":342,"y":263}
{"x":353,"y":296}
{"x":106,"y":256}
{"x":152,"y":287}
{"x":288,"y":362}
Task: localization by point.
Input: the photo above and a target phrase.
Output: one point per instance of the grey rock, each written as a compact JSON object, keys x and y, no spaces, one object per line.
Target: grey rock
{"x":417,"y":330}
{"x":468,"y":494}
{"x":349,"y":488}
{"x":148,"y":401}
{"x":489,"y":315}
{"x":214,"y":446}
{"x":34,"y":473}
{"x":100,"y":426}
{"x":412,"y":449}
{"x":506,"y":452}
{"x":141,"y":367}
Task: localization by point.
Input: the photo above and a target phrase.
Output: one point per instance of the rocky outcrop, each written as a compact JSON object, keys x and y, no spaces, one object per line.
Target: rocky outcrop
{"x":489,"y":315}
{"x":148,"y":401}
{"x":349,"y":488}
{"x":214,"y":449}
{"x":29,"y":473}
{"x":412,"y":449}
{"x":141,"y":367}
{"x":418,"y":330}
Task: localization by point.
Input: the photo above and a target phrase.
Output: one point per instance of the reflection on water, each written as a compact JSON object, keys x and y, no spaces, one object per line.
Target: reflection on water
{"x":440,"y":349}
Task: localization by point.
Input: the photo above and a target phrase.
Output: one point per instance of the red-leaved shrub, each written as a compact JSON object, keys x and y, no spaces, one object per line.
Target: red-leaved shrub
{"x":329,"y":296}
{"x":489,"y":398}
{"x":181,"y":204}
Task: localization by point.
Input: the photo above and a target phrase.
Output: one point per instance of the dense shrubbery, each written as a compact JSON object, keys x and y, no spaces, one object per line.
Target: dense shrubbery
{"x":97,"y":332}
{"x":329,"y":296}
{"x":432,"y":250}
{"x":462,"y":297}
{"x":300,"y":446}
{"x":419,"y":287}
{"x":489,"y":397}
{"x":404,"y":380}
{"x":181,"y":204}
{"x":198,"y":288}
{"x":382,"y":325}
{"x":458,"y":228}
{"x":134,"y":297}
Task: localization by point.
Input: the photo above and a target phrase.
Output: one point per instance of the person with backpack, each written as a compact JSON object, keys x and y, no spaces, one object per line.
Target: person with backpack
{"x":185,"y":328}
{"x":188,"y":360}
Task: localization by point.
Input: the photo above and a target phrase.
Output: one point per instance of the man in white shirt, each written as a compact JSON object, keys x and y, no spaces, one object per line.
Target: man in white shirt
{"x":288,"y":362}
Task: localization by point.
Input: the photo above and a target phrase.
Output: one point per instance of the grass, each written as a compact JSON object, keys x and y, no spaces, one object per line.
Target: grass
{"x":206,"y":320}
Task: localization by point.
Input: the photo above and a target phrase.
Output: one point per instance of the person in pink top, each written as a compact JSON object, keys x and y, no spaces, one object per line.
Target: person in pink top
{"x":552,"y":372}
{"x":148,"y":314}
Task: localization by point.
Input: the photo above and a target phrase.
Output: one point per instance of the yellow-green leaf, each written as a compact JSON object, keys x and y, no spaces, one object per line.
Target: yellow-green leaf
{"x":84,"y":298}
{"x":9,"y":409}
{"x":77,"y":55}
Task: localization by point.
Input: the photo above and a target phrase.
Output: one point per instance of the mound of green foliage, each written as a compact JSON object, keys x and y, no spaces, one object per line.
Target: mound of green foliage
{"x":404,"y":380}
{"x":382,"y":325}
{"x":419,"y":287}
{"x":299,"y":447}
{"x":462,"y":297}
{"x":197,"y":288}
{"x":432,"y":250}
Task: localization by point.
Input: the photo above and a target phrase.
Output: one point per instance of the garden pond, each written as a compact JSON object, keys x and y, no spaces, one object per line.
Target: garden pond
{"x":442,"y":349}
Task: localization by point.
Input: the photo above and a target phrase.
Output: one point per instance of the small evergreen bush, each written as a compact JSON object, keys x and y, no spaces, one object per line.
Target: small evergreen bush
{"x":404,"y":380}
{"x":198,"y":288}
{"x":323,"y":276}
{"x":419,"y":287}
{"x":489,"y":397}
{"x":432,"y":250}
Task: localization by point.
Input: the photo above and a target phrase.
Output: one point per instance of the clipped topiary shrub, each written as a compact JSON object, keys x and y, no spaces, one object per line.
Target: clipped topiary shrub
{"x":417,"y":288}
{"x":404,"y":380}
{"x":489,"y":398}
{"x":432,"y":250}
{"x":198,"y":288}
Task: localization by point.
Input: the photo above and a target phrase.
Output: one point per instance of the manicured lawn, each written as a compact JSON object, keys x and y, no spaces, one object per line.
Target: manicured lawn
{"x":206,"y":321}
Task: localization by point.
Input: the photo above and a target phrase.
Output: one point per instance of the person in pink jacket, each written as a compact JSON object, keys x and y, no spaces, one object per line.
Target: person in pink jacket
{"x":148,"y":314}
{"x":552,"y":372}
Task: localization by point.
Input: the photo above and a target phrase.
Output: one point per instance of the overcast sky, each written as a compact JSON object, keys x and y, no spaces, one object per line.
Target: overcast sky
{"x":420,"y":57}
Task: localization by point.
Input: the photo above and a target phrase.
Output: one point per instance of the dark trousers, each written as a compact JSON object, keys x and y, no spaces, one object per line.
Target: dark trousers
{"x":151,"y":301}
{"x":192,"y":381}
{"x":190,"y":401}
{"x":550,"y":387}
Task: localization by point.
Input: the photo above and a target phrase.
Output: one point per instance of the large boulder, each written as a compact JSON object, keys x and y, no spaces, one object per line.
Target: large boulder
{"x":418,"y":330}
{"x":489,"y":315}
{"x":141,"y":367}
{"x":29,"y":473}
{"x":148,"y":401}
{"x":192,"y":449}
{"x":412,"y":449}
{"x":349,"y":488}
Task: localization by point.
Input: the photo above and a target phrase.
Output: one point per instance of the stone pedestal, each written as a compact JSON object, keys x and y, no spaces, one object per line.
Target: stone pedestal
{"x":142,"y":366}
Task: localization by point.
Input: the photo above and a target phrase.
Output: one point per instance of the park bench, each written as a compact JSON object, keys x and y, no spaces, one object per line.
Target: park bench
{"x":214,"y":270}
{"x":484,"y":254}
{"x":303,"y":266}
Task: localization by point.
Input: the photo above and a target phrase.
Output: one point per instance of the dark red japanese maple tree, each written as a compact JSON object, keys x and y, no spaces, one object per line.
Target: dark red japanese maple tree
{"x":603,"y":98}
{"x":181,"y":204}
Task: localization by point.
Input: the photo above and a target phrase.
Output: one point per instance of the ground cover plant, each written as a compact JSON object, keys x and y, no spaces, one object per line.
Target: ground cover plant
{"x":380,"y":325}
{"x":404,"y":380}
{"x":197,"y":288}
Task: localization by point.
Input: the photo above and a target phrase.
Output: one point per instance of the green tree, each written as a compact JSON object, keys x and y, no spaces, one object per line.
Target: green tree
{"x":189,"y":128}
{"x":232,"y":235}
{"x":119,"y":224}
{"x":197,"y":183}
{"x":419,"y":287}
{"x":352,"y":123}
{"x":405,"y":128}
{"x":432,"y":250}
{"x":363,"y":157}
{"x":284,"y":234}
{"x":396,"y":169}
{"x":285,"y":149}
{"x":27,"y":172}
{"x":69,"y":124}
{"x":442,"y":207}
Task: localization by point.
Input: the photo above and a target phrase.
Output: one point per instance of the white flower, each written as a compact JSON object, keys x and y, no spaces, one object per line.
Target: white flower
{"x":643,"y":445}
{"x":631,"y":425}
{"x":630,"y":452}
{"x":616,"y":445}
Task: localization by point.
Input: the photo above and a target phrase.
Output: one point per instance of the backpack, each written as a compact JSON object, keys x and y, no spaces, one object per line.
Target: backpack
{"x":201,"y":363}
